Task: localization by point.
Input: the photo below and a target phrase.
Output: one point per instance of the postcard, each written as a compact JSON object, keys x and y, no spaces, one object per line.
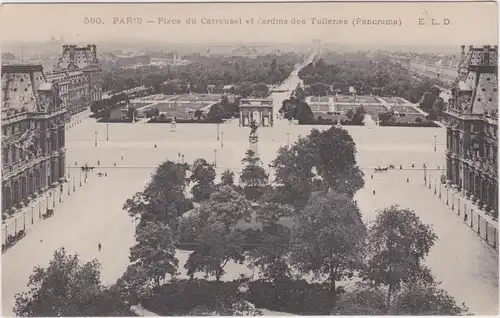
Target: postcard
{"x":193,"y":159}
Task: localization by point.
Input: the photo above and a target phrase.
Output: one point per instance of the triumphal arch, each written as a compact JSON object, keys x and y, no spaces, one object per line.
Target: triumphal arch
{"x":259,"y":110}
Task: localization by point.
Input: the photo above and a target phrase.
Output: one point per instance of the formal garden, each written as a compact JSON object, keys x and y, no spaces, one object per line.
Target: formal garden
{"x":301,"y":233}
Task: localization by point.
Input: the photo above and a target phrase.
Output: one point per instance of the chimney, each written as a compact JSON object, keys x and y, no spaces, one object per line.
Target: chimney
{"x":462,"y":53}
{"x":94,"y":50}
{"x":65,"y":48}
{"x":486,"y":54}
{"x":72,"y":52}
{"x":496,"y":48}
{"x":471,"y":47}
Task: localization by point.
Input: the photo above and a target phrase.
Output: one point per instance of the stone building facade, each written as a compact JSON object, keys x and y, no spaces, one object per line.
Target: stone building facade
{"x":33,"y":134}
{"x":78,"y":74}
{"x":472,"y":127}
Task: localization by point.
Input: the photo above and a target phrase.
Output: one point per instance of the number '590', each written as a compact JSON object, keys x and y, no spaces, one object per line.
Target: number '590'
{"x":92,"y":20}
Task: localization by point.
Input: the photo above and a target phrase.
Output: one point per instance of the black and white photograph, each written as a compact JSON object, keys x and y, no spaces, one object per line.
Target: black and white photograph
{"x":249,"y":159}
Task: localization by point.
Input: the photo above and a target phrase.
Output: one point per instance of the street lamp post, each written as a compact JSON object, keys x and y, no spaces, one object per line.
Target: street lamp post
{"x":95,"y":141}
{"x":53,"y":198}
{"x":434,"y":142}
{"x":73,"y":183}
{"x":447,"y":193}
{"x":215,"y":158}
{"x":222,"y":140}
{"x":435,"y":186}
{"x":80,"y":178}
{"x":217,"y":131}
{"x":107,"y":133}
{"x":182,"y":159}
{"x":425,"y":174}
{"x":288,"y":140}
{"x":440,"y":186}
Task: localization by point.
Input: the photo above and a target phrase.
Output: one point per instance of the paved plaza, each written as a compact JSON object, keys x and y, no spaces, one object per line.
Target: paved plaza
{"x":467,"y":266}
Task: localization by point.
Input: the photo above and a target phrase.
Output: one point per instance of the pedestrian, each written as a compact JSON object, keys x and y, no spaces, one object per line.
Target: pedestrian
{"x":407,"y":180}
{"x":41,"y":241}
{"x":76,"y":163}
{"x":98,"y":163}
{"x":413,"y":165}
{"x":400,"y":167}
{"x":122,"y":157}
{"x":466,"y":217}
{"x":373,"y":192}
{"x":105,"y":174}
{"x":155,"y":146}
{"x":99,"y":246}
{"x":372,"y":176}
{"x":114,"y":164}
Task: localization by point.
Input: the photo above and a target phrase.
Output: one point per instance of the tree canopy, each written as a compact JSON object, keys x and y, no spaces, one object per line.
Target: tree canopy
{"x":398,"y":244}
{"x":155,"y":251}
{"x":321,"y":160}
{"x":368,"y":73}
{"x":163,"y":198}
{"x":68,"y":288}
{"x":328,"y":237}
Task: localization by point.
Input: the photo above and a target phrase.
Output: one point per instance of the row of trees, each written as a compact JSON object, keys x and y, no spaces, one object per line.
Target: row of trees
{"x":202,"y":72}
{"x":367,"y":73}
{"x":297,"y":108}
{"x":306,"y":222}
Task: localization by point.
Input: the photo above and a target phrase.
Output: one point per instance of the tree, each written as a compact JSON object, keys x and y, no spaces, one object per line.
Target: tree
{"x":203,"y":174}
{"x":362,"y":301}
{"x":397,"y":245}
{"x":216,"y":113}
{"x":303,"y":112}
{"x":213,"y":229}
{"x":198,"y":114}
{"x":425,"y":300}
{"x":68,"y":288}
{"x":299,"y":92}
{"x":322,"y":160}
{"x":133,"y":286}
{"x":227,"y":178}
{"x":163,"y":198}
{"x":416,"y":299}
{"x":155,"y":251}
{"x":253,"y":176}
{"x":328,"y":238}
{"x":271,"y":254}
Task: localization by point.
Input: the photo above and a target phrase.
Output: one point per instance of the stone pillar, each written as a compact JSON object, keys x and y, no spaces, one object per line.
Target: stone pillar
{"x":487,"y":194}
{"x":62,"y":161}
{"x":448,"y":168}
{"x":253,"y":140}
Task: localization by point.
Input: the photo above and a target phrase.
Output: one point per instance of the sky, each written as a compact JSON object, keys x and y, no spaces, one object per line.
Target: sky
{"x":469,"y":23}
